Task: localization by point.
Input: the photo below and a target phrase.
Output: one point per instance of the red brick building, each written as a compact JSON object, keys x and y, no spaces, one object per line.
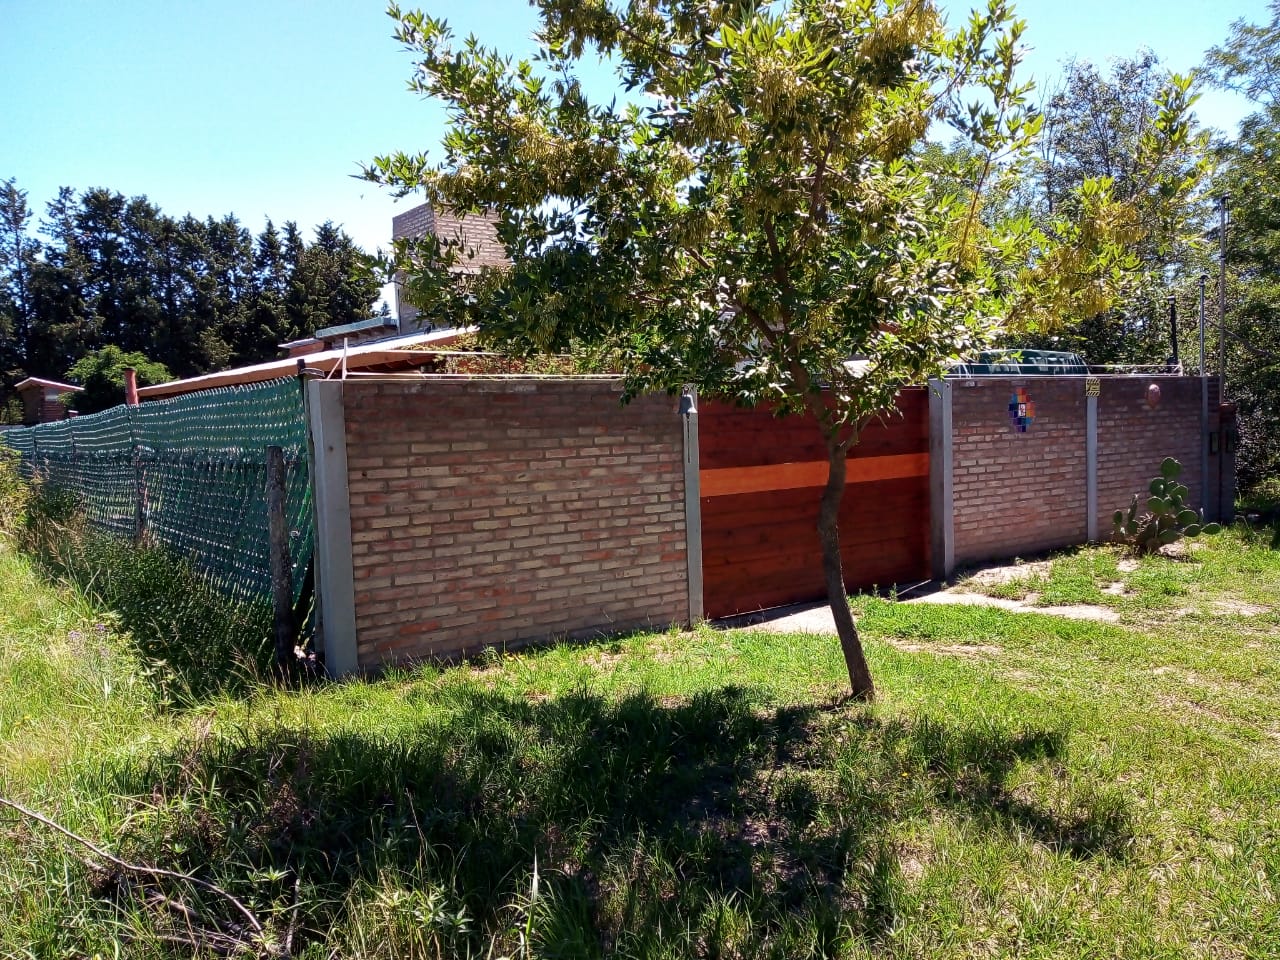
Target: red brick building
{"x":475,"y":236}
{"x":42,"y":400}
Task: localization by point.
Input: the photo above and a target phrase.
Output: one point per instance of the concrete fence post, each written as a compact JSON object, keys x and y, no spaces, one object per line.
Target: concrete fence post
{"x":281,"y":561}
{"x":335,"y":577}
{"x":1091,"y":459}
{"x":941,"y":493}
{"x":692,"y":505}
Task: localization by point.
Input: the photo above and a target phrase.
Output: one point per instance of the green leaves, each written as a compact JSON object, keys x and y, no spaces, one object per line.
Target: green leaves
{"x":763,"y":210}
{"x":101,"y":374}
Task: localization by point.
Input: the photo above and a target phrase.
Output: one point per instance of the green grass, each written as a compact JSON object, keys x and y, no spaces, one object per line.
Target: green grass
{"x":193,"y":640}
{"x":1025,"y":786}
{"x":1207,"y":575}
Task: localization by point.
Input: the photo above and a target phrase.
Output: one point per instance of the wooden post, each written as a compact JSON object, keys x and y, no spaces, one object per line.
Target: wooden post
{"x":281,"y":564}
{"x":139,"y":483}
{"x":131,"y":386}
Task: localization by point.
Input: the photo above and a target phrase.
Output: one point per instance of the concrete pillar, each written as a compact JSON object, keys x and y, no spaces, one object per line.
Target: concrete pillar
{"x":941,"y":500}
{"x":692,"y":505}
{"x":1091,"y":458}
{"x":335,"y":576}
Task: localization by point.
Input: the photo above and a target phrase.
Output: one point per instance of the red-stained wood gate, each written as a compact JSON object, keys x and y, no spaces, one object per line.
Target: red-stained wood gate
{"x":761,"y":477}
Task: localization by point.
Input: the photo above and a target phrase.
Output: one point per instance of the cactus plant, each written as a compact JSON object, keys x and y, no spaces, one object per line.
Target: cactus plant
{"x":1167,"y":519}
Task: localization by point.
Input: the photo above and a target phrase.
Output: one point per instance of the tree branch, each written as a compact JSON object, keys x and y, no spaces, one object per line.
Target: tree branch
{"x":137,"y":868}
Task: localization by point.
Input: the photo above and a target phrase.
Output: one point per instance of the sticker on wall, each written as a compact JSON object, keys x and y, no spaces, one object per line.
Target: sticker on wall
{"x":1092,"y":387}
{"x":1022,"y":410}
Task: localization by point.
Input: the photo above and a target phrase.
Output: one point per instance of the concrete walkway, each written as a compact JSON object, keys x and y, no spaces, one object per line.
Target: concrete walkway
{"x":816,"y":617}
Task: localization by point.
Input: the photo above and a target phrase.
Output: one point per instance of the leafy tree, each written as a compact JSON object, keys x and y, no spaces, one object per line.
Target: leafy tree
{"x":761,"y":223}
{"x":268,"y":321}
{"x":195,"y":295}
{"x":1109,"y":126}
{"x":1250,"y":62}
{"x":63,"y":328}
{"x":333,"y":281}
{"x":18,"y":253}
{"x":101,"y":374}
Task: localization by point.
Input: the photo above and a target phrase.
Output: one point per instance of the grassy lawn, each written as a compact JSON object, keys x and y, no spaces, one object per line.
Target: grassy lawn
{"x":1026,"y":786}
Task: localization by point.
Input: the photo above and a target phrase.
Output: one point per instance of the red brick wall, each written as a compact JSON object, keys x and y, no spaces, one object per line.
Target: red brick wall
{"x":1017,"y":493}
{"x":42,"y":405}
{"x":501,"y":511}
{"x":1134,"y":437}
{"x":1023,"y":493}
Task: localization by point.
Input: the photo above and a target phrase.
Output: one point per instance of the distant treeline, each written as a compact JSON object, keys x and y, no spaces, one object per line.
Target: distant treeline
{"x":196,"y":295}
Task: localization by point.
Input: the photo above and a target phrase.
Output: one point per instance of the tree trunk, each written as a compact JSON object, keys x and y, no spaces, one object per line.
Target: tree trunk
{"x":833,"y":572}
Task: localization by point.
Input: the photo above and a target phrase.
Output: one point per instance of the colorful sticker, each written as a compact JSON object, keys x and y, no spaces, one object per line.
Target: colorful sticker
{"x":1022,"y":410}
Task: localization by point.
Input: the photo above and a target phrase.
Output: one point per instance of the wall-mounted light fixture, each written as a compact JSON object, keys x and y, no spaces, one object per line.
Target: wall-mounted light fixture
{"x":687,"y":404}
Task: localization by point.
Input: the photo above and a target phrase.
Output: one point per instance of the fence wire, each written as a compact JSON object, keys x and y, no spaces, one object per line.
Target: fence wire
{"x":190,"y":473}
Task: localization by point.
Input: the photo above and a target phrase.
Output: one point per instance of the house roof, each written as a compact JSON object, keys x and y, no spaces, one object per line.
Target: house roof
{"x":47,"y":384}
{"x":406,"y":351}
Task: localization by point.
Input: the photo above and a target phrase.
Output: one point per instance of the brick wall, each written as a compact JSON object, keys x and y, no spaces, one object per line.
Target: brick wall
{"x":475,"y":235}
{"x":1023,"y":493}
{"x":42,"y":405}
{"x":1135,"y":435}
{"x":416,"y":222}
{"x":1017,"y":493}
{"x":502,"y":511}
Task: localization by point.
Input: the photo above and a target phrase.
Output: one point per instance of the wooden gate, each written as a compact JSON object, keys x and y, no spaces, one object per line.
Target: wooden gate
{"x":761,"y":478}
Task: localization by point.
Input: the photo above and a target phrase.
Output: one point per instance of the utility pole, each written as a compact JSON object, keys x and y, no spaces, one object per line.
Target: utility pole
{"x":1204,"y":409}
{"x":1222,"y":297}
{"x":1222,"y":343}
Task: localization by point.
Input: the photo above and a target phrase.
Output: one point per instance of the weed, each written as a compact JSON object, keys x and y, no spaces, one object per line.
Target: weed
{"x":14,"y":490}
{"x":196,"y":640}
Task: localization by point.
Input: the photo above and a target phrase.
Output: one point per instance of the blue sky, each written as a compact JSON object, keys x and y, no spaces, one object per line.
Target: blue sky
{"x":264,"y":108}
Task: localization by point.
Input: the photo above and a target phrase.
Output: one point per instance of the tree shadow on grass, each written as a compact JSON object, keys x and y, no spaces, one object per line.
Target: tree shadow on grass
{"x":707,"y":827}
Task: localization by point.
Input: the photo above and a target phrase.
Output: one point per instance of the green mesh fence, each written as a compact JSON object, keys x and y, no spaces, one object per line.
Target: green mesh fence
{"x":191,"y":472}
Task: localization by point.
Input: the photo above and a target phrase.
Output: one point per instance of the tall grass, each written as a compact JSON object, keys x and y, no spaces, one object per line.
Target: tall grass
{"x":195,"y":640}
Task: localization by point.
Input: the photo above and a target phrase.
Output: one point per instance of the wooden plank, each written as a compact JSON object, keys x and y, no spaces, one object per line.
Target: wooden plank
{"x":760,"y":505}
{"x":357,"y":359}
{"x":801,"y":551}
{"x":729,"y":598}
{"x":863,"y":557}
{"x":728,"y":481}
{"x":802,"y":539}
{"x":795,"y":542}
{"x":797,"y":586}
{"x":781,"y":562}
{"x":734,"y":437}
{"x":888,"y":501}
